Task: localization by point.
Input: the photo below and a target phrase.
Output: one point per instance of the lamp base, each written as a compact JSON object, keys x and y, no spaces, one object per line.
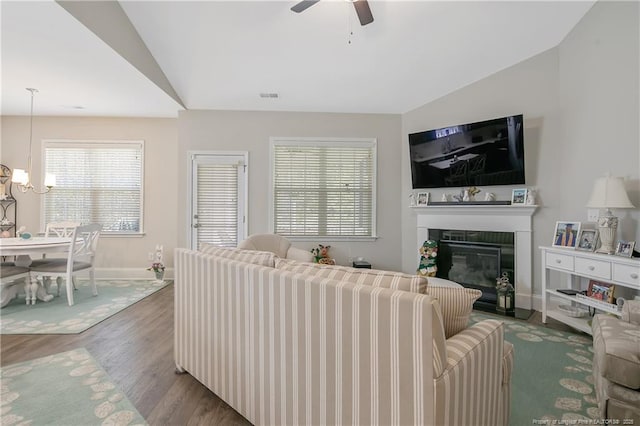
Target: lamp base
{"x":607,"y":227}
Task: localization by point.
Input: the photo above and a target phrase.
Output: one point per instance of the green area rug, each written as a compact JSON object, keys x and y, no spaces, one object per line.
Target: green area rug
{"x":68,"y":388}
{"x":57,"y":317}
{"x":552,"y":374}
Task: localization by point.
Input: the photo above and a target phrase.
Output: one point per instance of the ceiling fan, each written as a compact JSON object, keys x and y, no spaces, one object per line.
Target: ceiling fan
{"x":362,"y":9}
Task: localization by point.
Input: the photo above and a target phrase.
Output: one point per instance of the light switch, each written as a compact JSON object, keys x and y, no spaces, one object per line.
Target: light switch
{"x":592,"y":215}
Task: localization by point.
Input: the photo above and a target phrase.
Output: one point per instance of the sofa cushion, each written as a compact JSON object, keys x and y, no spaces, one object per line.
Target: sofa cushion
{"x":456,"y":305}
{"x":616,"y":345}
{"x":264,"y":258}
{"x":372,"y":277}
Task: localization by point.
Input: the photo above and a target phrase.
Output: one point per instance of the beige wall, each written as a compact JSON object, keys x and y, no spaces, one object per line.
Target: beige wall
{"x":127,"y":255}
{"x":250,"y":131}
{"x":580,"y":103}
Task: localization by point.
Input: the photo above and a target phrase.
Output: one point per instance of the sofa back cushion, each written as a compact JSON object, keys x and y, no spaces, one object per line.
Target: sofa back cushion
{"x":371,"y":277}
{"x":456,"y":305}
{"x":264,"y":258}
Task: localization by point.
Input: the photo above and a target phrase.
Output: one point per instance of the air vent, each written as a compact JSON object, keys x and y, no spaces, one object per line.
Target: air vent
{"x":269,"y":95}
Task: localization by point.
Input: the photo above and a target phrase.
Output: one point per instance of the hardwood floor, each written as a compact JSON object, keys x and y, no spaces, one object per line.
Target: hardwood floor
{"x":135,"y":347}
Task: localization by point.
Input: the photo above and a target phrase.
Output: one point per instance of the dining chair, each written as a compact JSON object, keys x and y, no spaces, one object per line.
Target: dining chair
{"x":57,"y":229}
{"x":82,"y":251}
{"x":11,"y":276}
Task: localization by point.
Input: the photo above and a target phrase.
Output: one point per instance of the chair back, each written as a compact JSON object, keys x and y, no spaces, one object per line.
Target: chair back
{"x":84,"y":242}
{"x":60,"y":229}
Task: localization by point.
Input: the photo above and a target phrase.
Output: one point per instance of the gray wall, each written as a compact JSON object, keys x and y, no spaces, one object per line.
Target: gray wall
{"x":580,"y":103}
{"x":250,"y":131}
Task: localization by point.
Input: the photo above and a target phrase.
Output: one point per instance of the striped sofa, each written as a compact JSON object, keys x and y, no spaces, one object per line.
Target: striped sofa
{"x":283,"y":348}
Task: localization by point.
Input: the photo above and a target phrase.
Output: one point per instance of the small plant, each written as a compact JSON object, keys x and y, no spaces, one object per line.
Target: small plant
{"x":156,"y":267}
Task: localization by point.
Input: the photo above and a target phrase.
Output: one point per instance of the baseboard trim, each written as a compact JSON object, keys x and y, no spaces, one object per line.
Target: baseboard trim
{"x":129,"y":274}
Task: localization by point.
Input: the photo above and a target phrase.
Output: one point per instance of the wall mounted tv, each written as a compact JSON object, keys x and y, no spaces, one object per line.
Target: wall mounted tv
{"x":485,"y":153}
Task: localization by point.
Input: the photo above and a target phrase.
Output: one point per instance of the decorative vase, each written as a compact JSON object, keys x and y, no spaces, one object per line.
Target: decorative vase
{"x":159,"y":275}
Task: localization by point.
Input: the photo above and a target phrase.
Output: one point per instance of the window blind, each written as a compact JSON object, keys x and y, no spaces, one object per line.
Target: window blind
{"x":324,"y":188}
{"x":96,"y":183}
{"x":217,"y":210}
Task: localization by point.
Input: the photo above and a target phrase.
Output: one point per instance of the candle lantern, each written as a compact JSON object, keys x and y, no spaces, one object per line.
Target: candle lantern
{"x":506,"y":295}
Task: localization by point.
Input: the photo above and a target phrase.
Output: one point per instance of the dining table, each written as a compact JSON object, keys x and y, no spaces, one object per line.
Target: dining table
{"x":22,"y":249}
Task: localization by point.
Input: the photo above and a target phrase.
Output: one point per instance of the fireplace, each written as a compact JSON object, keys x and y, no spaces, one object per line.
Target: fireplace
{"x":514,"y":220}
{"x":475,"y":259}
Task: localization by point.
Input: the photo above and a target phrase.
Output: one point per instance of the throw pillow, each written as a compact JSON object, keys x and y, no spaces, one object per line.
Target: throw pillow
{"x":456,"y":305}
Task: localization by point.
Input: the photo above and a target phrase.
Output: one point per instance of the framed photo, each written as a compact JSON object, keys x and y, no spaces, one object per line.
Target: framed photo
{"x":587,"y":239}
{"x":625,"y":248}
{"x":601,"y":291}
{"x":566,"y":234}
{"x":423,"y":198}
{"x":519,"y":197}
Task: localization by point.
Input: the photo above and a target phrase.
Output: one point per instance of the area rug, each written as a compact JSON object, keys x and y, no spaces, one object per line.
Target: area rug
{"x":68,"y":388}
{"x":57,"y":317}
{"x":552,"y":378}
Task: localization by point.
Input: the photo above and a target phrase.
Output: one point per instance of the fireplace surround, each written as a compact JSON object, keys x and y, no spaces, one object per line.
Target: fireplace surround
{"x":508,"y":219}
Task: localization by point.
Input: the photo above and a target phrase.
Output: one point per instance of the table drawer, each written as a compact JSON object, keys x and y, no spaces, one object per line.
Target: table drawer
{"x":596,"y":268}
{"x":627,"y":274}
{"x":559,"y":261}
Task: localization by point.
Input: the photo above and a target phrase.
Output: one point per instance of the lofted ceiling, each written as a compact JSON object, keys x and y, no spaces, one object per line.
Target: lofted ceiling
{"x":224,"y":54}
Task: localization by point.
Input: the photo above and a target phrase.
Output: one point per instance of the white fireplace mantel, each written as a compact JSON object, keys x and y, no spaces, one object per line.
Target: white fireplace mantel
{"x":499,"y":218}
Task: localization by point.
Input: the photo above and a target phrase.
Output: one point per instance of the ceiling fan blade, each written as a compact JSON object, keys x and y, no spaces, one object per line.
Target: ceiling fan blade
{"x":363,"y":11}
{"x":304,"y":5}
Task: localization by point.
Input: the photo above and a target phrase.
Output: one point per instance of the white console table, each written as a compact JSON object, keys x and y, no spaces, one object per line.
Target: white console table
{"x":575,"y":264}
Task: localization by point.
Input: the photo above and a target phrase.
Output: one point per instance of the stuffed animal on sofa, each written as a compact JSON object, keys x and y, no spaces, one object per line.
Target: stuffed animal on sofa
{"x":428,"y":255}
{"x":321,"y":255}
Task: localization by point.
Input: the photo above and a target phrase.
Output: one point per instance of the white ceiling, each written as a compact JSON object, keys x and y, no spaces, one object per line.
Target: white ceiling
{"x":222,"y":55}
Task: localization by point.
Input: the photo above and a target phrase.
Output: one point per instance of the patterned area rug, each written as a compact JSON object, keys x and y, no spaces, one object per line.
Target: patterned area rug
{"x":68,"y":388}
{"x":552,"y":378}
{"x":56,"y":317}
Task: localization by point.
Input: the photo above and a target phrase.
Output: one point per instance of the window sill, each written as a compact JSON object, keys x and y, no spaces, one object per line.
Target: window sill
{"x":326,"y":238}
{"x":117,"y":235}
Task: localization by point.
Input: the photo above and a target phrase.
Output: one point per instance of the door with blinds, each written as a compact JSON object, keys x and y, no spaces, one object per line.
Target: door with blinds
{"x":218,"y":199}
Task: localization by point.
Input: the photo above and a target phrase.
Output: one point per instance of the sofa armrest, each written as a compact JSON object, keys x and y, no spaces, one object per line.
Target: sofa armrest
{"x":474,"y":362}
{"x":631,"y":311}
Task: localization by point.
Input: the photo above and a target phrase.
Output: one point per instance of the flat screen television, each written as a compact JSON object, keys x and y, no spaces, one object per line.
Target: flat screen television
{"x":485,"y":153}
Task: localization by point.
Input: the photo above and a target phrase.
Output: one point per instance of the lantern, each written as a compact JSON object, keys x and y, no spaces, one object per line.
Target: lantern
{"x":506,"y":295}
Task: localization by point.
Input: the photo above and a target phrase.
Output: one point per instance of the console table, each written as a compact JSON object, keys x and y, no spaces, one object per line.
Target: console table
{"x":575,"y":265}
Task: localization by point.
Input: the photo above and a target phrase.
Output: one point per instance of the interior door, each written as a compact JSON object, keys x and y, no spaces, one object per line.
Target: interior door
{"x":218,"y":199}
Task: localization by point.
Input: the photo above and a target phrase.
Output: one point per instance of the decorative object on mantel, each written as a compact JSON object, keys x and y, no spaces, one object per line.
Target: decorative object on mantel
{"x":471,"y":203}
{"x":444,"y":198}
{"x":519,"y":197}
{"x":608,"y":192}
{"x":423,"y":198}
{"x":531,"y":197}
{"x":412,"y":199}
{"x":506,"y":295}
{"x":489,"y":196}
{"x":460,"y":197}
{"x":473,"y":191}
{"x":23,"y":177}
{"x":428,"y":255}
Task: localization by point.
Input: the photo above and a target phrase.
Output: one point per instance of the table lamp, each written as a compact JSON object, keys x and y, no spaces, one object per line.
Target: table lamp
{"x":608,"y":193}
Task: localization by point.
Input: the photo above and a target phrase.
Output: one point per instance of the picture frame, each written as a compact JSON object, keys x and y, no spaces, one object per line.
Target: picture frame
{"x":566,"y":234}
{"x":519,"y":197}
{"x":625,"y":248}
{"x":423,"y":199}
{"x":587,"y":240}
{"x":601,"y":291}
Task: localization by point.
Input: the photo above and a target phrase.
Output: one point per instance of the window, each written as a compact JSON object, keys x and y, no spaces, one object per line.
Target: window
{"x":96,"y":182}
{"x":323,"y":188}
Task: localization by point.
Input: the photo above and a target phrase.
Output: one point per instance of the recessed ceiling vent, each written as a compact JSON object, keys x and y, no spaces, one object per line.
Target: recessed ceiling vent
{"x":269,"y":95}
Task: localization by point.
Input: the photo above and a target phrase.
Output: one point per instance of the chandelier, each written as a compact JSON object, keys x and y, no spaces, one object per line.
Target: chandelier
{"x":22,"y":177}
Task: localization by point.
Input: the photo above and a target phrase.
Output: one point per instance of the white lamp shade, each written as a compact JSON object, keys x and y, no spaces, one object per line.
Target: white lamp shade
{"x":20,"y":176}
{"x":609,"y":192}
{"x":50,"y":180}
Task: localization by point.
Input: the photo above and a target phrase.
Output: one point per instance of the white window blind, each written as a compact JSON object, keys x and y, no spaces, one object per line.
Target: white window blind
{"x":96,"y":183}
{"x":324,"y":188}
{"x":218,"y":213}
